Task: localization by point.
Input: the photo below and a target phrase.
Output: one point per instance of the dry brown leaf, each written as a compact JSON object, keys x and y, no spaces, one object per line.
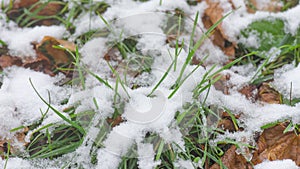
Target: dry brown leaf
{"x":273,"y":144}
{"x":211,"y":15}
{"x":226,"y":122}
{"x":271,"y":6}
{"x":250,"y":91}
{"x":232,"y":160}
{"x":40,"y":64}
{"x":50,"y":9}
{"x":23,"y":3}
{"x":49,"y":58}
{"x":114,"y":121}
{"x":56,"y":56}
{"x":269,"y":95}
{"x":114,"y":54}
{"x":7,"y":61}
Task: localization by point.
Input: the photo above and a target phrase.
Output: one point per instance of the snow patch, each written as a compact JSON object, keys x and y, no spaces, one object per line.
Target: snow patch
{"x":279,"y":164}
{"x":19,"y":39}
{"x":285,"y":81}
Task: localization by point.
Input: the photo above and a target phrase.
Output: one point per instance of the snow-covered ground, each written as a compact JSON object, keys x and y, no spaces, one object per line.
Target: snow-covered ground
{"x":21,"y":106}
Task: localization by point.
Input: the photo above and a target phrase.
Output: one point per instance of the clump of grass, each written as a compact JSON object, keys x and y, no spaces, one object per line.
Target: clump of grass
{"x":275,"y":38}
{"x":27,"y":17}
{"x":62,"y":140}
{"x":54,"y":140}
{"x":199,"y":123}
{"x":287,"y":4}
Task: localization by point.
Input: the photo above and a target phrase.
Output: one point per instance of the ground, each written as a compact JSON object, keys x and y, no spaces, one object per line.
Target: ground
{"x":149,"y":84}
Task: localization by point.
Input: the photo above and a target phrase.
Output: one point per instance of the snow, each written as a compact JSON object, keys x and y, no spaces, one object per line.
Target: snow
{"x":279,"y":164}
{"x":239,"y":20}
{"x":19,"y":39}
{"x":5,"y":2}
{"x":265,"y":3}
{"x":15,"y":163}
{"x":123,"y":9}
{"x":146,"y":156}
{"x":252,"y":40}
{"x":19,"y":104}
{"x":287,"y":80}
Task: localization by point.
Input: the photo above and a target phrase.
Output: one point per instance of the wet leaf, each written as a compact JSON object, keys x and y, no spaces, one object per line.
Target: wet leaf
{"x":40,"y":64}
{"x":56,"y":56}
{"x":228,"y":122}
{"x":250,"y":91}
{"x":34,"y":12}
{"x":274,"y":144}
{"x":212,"y":14}
{"x":114,"y":121}
{"x":7,"y":61}
{"x":271,"y":6}
{"x":269,"y":95}
{"x":232,"y":160}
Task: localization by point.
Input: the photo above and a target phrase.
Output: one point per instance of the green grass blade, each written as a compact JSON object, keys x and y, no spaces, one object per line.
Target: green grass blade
{"x":74,"y":124}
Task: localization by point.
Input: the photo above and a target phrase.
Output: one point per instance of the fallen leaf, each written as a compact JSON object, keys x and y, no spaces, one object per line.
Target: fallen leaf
{"x":48,"y":58}
{"x":56,"y":56}
{"x":250,"y":91}
{"x":114,"y":121}
{"x":226,"y":122}
{"x":270,"y":6}
{"x":113,"y":54}
{"x":7,"y":61}
{"x":211,"y":15}
{"x":34,"y":6}
{"x":18,"y":138}
{"x":3,"y":49}
{"x":273,"y":144}
{"x":40,"y":65}
{"x":3,"y":148}
{"x":23,"y":3}
{"x":269,"y":95}
{"x":232,"y":160}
